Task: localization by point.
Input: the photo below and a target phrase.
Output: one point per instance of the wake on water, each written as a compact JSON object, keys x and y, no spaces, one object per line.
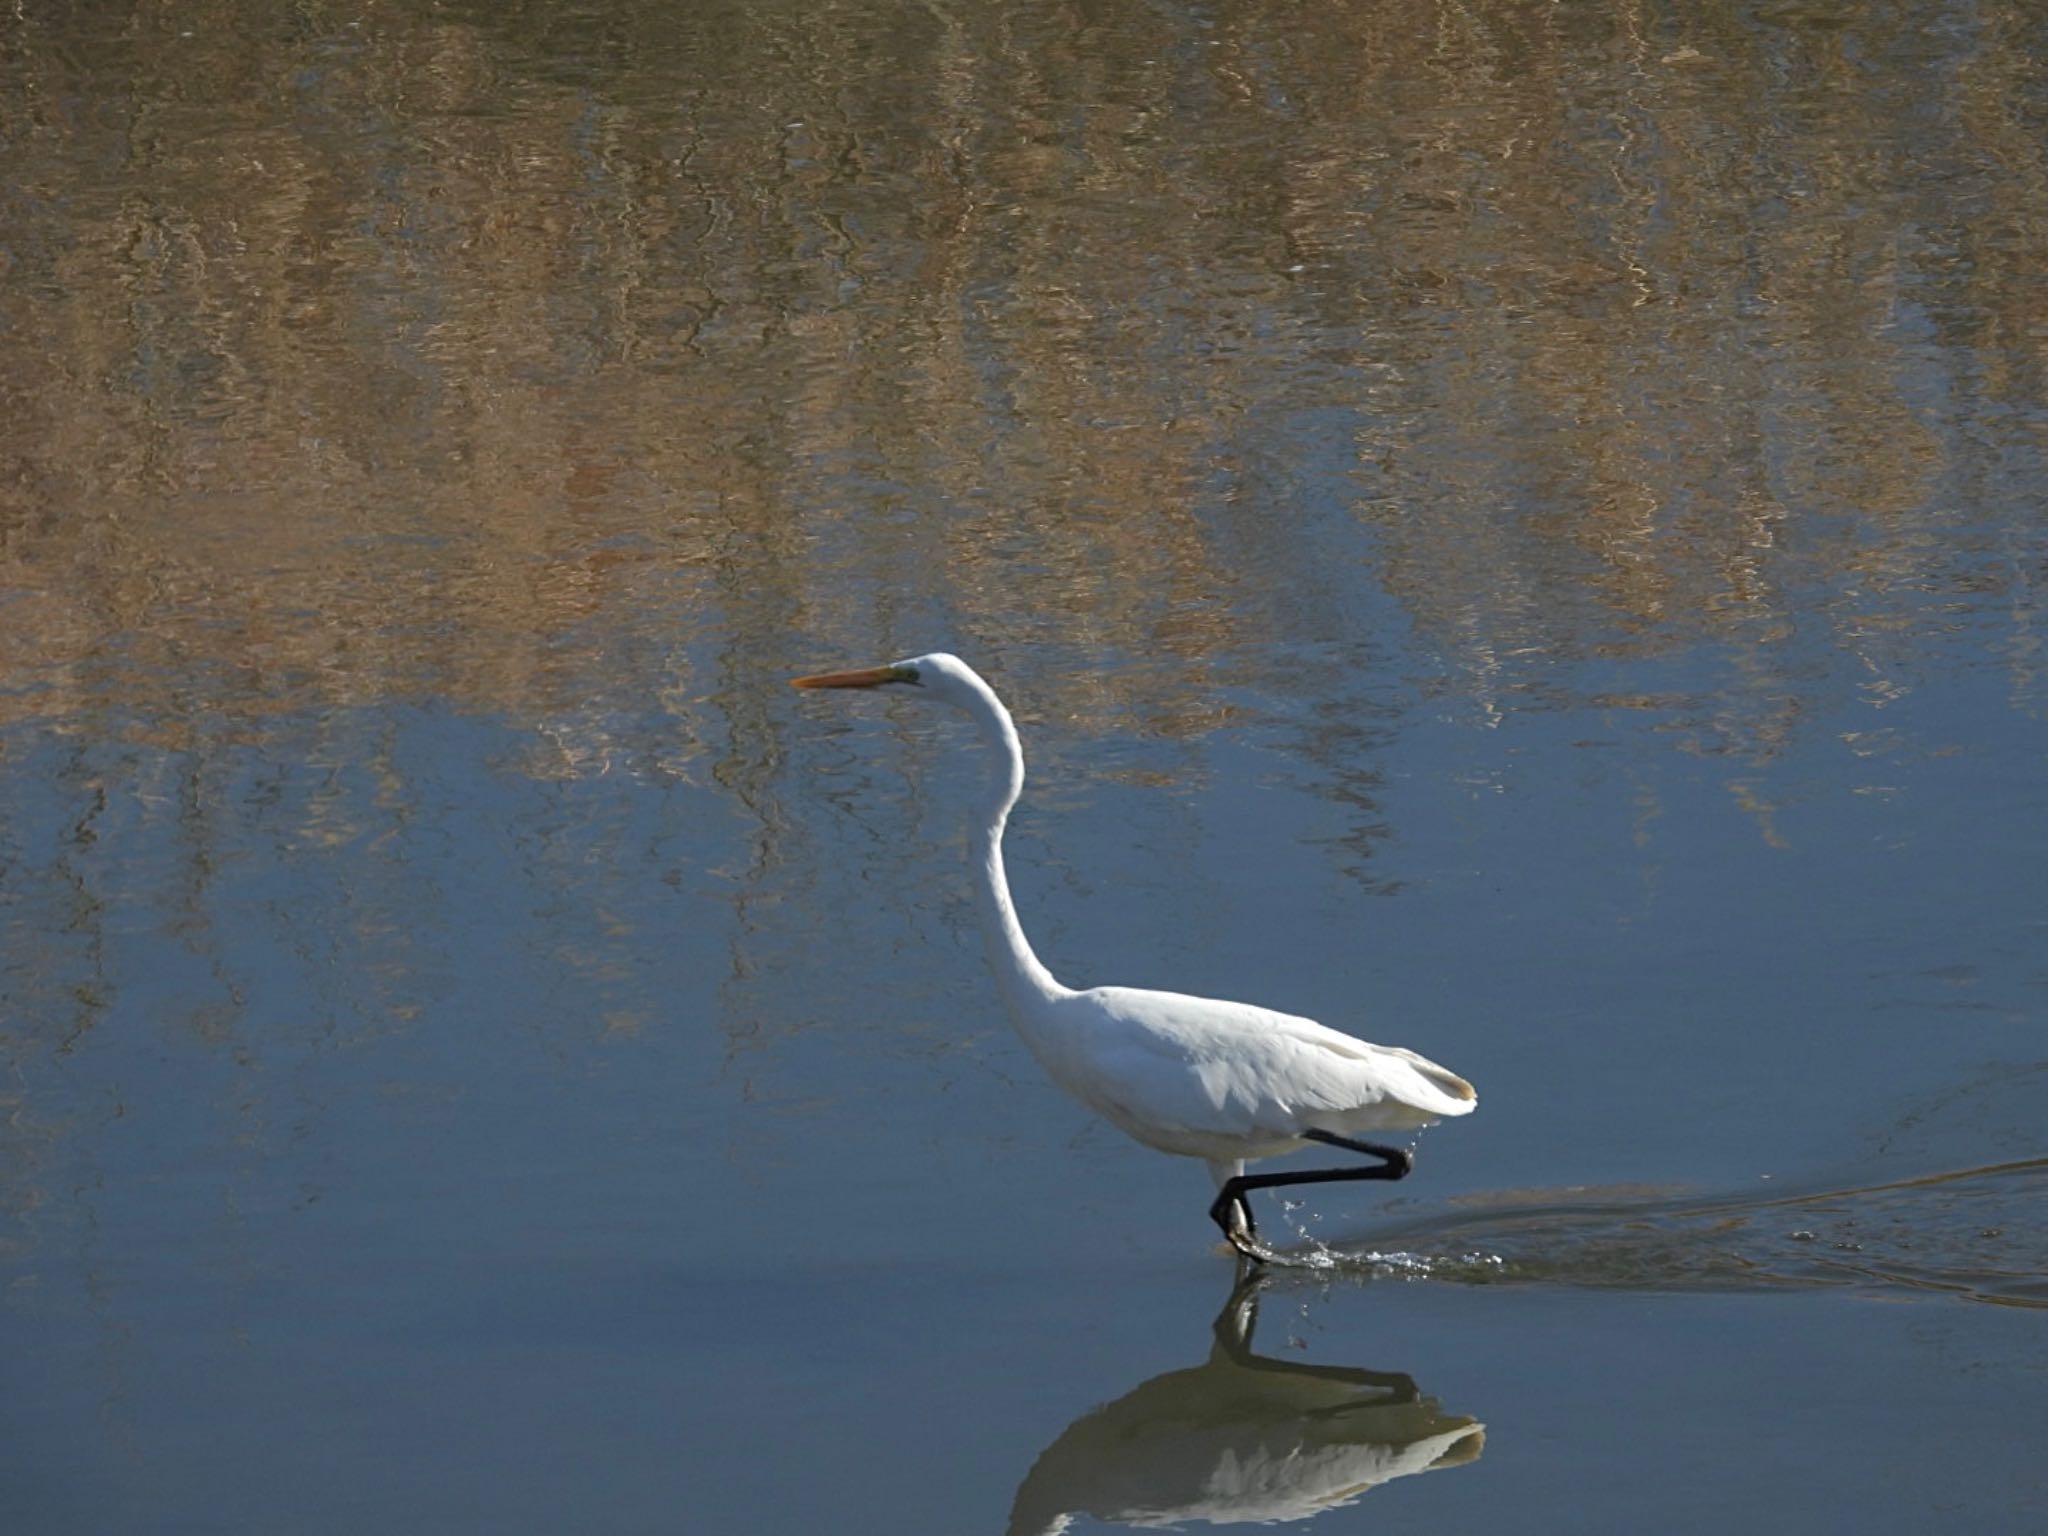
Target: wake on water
{"x":1977,"y":1233}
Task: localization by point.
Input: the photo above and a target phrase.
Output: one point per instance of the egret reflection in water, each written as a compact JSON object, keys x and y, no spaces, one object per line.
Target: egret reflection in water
{"x":1241,"y":1438}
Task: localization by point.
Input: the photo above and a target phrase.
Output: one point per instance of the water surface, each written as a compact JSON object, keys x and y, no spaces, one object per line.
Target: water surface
{"x":1514,"y":530}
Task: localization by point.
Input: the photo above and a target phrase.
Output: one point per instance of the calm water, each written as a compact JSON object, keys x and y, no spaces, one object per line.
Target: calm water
{"x":1513,"y":529}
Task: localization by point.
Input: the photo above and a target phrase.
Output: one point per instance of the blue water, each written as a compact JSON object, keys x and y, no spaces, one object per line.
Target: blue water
{"x":1515,"y":534}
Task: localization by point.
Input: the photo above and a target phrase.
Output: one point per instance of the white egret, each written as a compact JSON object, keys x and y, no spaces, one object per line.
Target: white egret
{"x":1225,"y":1082}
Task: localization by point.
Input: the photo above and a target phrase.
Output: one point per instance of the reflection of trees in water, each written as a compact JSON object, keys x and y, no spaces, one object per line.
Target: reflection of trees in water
{"x":585,"y":368}
{"x":1241,"y":1438}
{"x":490,"y":355}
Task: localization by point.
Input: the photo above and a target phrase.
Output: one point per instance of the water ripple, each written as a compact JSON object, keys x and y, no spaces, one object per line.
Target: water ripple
{"x":1976,"y":1233}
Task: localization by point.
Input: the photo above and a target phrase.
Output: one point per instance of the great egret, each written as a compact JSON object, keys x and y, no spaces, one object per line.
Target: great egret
{"x":1225,"y":1082}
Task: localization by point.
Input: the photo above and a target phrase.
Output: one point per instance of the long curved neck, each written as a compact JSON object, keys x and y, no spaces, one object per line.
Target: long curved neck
{"x":1023,"y":978}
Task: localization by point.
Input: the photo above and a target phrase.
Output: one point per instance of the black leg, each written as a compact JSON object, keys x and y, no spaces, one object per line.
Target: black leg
{"x":1230,"y":1201}
{"x":1395,"y":1159}
{"x":1393,"y":1164}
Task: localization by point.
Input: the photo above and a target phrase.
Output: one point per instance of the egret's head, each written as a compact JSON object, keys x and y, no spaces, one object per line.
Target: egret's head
{"x":939,"y":675}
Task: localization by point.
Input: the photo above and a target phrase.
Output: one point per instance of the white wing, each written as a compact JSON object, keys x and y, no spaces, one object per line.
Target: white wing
{"x":1209,"y":1078}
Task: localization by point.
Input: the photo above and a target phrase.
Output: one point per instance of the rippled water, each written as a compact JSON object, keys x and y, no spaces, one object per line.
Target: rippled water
{"x":1969,"y":1233}
{"x":1515,"y":530}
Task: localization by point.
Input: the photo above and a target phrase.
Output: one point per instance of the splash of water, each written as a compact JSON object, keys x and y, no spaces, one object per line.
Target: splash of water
{"x":1975,"y":1233}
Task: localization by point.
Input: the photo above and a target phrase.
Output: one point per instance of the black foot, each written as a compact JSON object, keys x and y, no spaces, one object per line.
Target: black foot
{"x":1249,"y":1249}
{"x":1232,"y":1212}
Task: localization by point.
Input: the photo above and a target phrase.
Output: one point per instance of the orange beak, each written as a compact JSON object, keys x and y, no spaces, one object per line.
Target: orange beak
{"x":864,"y":677}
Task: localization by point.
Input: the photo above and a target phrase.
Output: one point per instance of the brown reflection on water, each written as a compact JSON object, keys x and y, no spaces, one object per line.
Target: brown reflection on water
{"x":500,"y":354}
{"x":587,"y":368}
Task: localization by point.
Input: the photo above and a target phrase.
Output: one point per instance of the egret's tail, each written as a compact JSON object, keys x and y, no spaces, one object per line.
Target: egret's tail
{"x":1443,"y":1091}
